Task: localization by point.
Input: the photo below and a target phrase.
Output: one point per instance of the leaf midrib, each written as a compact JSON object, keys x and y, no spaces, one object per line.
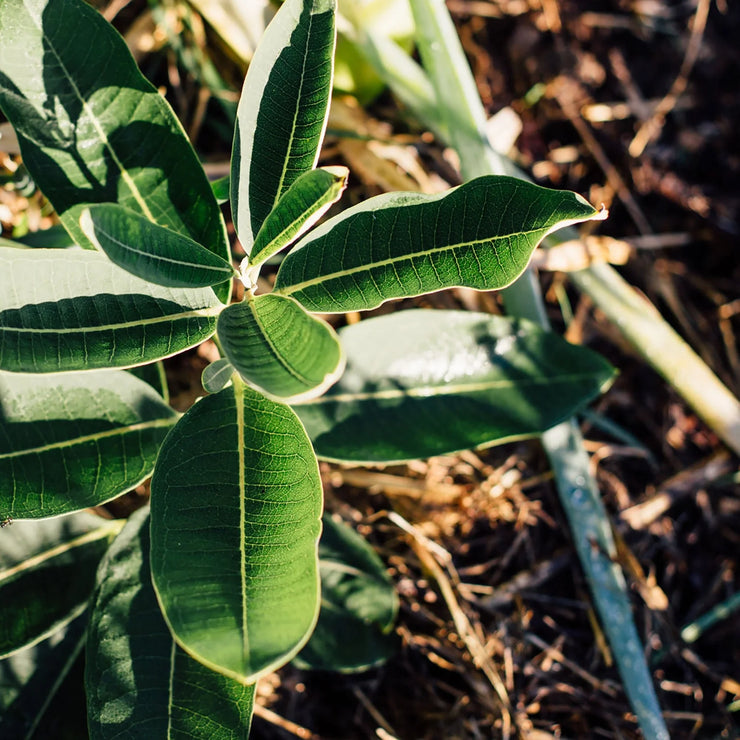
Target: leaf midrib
{"x":138,"y":197}
{"x":225,"y":269}
{"x":201,"y":312}
{"x":53,"y":552}
{"x":279,"y":357}
{"x":241,"y":446}
{"x":429,"y":391}
{"x":295,"y":112}
{"x":171,"y":688}
{"x":109,"y":434}
{"x":367,"y":266}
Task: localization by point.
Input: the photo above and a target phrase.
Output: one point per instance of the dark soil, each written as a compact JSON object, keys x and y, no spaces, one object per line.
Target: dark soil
{"x":583,"y":78}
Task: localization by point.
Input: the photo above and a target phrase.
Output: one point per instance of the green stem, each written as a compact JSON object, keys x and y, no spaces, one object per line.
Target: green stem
{"x":636,"y":317}
{"x":460,"y":109}
{"x":663,"y":349}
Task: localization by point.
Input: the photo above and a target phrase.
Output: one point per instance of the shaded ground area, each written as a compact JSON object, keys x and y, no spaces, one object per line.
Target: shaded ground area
{"x":634,"y":104}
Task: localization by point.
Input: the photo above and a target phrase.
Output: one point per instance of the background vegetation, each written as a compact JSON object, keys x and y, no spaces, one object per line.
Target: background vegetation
{"x":630,"y":104}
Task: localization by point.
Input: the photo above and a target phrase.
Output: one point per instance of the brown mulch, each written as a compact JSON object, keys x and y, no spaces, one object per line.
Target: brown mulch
{"x":477,"y":543}
{"x":584,"y":80}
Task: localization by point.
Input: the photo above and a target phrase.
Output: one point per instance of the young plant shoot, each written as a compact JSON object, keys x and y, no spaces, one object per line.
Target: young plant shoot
{"x":219,"y":581}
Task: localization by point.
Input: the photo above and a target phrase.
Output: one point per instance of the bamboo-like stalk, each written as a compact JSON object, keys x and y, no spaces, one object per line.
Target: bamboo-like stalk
{"x":638,"y":320}
{"x":461,"y":112}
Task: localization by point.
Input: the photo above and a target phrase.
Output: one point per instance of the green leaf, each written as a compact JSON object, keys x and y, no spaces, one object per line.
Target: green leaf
{"x":303,"y":204}
{"x":217,"y":375}
{"x":421,"y":383}
{"x":358,"y":601}
{"x":72,"y":441}
{"x":73,"y":309}
{"x":480,"y":235}
{"x":137,"y":679}
{"x":92,"y":129}
{"x":221,"y":188}
{"x":55,"y":237}
{"x":152,"y":252}
{"x":279,"y":348}
{"x":154,"y":375}
{"x":236,"y":500}
{"x":35,"y":558}
{"x":30,"y":678}
{"x":283,"y":111}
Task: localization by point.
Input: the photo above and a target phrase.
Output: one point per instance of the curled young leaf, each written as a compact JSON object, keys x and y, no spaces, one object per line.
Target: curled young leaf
{"x":278,"y":347}
{"x":302,"y":205}
{"x":217,"y":375}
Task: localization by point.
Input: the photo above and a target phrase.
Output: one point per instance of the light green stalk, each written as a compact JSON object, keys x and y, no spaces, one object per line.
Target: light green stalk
{"x":460,"y":117}
{"x":661,"y":347}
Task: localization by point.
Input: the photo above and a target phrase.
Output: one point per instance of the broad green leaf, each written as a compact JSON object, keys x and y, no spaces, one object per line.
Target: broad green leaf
{"x":92,"y":129}
{"x":283,"y":111}
{"x":480,"y":235}
{"x":217,"y":375}
{"x":137,"y":679}
{"x":421,"y":383}
{"x":72,"y":441}
{"x":278,"y":347}
{"x":358,"y":605}
{"x":47,"y":574}
{"x":236,"y":501}
{"x":151,"y":252}
{"x":30,"y":678}
{"x":302,"y":205}
{"x":74,"y":309}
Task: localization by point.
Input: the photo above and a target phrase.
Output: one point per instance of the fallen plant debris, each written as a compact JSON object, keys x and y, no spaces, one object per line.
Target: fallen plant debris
{"x":494,"y":610}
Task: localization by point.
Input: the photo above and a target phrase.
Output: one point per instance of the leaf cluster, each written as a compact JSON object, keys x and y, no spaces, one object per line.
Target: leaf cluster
{"x":221,"y":580}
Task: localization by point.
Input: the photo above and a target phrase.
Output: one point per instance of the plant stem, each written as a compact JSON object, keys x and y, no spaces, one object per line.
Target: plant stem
{"x":459,"y":106}
{"x":636,"y":317}
{"x":663,"y":349}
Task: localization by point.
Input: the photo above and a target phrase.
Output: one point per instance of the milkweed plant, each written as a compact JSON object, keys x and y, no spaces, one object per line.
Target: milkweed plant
{"x":219,"y":581}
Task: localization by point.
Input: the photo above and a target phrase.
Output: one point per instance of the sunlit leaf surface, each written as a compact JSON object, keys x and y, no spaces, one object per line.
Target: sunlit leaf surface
{"x":139,"y":682}
{"x":421,"y":383}
{"x":236,"y":501}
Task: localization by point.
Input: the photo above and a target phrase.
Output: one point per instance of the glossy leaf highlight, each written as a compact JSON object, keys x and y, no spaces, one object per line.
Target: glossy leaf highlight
{"x":480,"y":235}
{"x":421,"y":383}
{"x":136,"y":676}
{"x":283,"y":111}
{"x":236,"y":501}
{"x":74,"y":309}
{"x":72,"y":441}
{"x":278,"y":347}
{"x":152,"y":252}
{"x":92,"y":129}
